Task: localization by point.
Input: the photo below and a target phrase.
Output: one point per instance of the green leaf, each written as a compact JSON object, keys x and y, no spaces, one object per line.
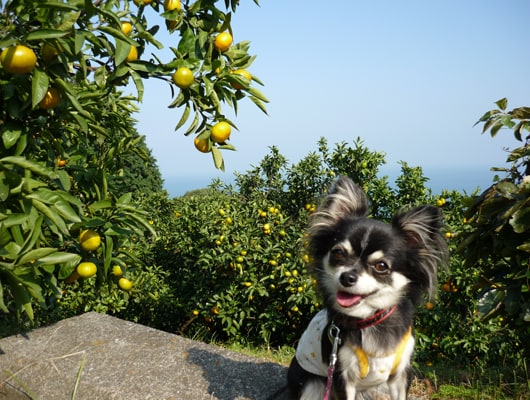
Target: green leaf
{"x":218,"y":158}
{"x":10,"y":134}
{"x":52,"y":216}
{"x":524,"y":247}
{"x":34,"y":255}
{"x":109,"y":246}
{"x":122,"y":51}
{"x":23,"y":162}
{"x":193,"y":125}
{"x":64,"y":209}
{"x":520,"y":220}
{"x":259,"y":103}
{"x":521,"y":113}
{"x":39,"y":87}
{"x":139,"y":83}
{"x":184,"y":117}
{"x":32,"y":239}
{"x":43,"y":34}
{"x":187,"y":42}
{"x":60,"y":257}
{"x":496,"y":127}
{"x":502,"y":103}
{"x":125,"y":199}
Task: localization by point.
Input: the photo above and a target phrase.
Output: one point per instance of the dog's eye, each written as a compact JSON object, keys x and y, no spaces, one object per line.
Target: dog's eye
{"x":338,"y":255}
{"x":381,"y":267}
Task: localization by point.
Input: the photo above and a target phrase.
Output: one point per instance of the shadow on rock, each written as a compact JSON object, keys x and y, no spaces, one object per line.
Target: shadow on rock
{"x":231,"y":379}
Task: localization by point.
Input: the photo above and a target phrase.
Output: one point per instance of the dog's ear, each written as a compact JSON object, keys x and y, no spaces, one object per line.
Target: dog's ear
{"x":421,"y":229}
{"x":345,"y":199}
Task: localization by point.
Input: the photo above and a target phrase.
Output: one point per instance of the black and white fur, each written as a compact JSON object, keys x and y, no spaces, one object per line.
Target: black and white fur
{"x":363,"y":266}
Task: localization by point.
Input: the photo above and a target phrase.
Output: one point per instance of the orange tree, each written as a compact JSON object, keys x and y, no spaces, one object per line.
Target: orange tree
{"x":65,"y":126}
{"x":499,"y":236}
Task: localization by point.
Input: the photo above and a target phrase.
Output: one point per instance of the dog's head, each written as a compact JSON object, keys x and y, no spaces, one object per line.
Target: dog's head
{"x":364,"y":265}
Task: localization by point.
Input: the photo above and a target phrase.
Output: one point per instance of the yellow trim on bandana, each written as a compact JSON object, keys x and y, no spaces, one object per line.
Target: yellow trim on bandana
{"x":400,"y":350}
{"x":364,"y":366}
{"x":364,"y":362}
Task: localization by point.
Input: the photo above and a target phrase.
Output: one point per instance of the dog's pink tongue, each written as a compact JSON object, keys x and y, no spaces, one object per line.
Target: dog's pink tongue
{"x":347,"y":299}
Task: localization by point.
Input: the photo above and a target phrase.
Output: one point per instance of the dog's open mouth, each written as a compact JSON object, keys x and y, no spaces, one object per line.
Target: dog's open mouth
{"x":345,"y":299}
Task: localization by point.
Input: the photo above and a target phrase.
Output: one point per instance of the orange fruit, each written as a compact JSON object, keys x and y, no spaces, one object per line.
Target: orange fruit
{"x":133,"y":54}
{"x":90,"y":240}
{"x":18,"y":59}
{"x":223,"y":41}
{"x":245,"y":74}
{"x":221,"y":132}
{"x":183,"y":77}
{"x":429,"y":306}
{"x":61,"y":163}
{"x":202,"y":145}
{"x":126,"y":27}
{"x":125,"y":284}
{"x":51,"y":99}
{"x":48,"y":52}
{"x":86,"y":269}
{"x":117,"y":271}
{"x":170,"y":5}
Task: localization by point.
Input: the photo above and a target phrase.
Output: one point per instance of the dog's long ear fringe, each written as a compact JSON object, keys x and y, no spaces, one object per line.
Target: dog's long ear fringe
{"x":421,"y":228}
{"x":345,"y":200}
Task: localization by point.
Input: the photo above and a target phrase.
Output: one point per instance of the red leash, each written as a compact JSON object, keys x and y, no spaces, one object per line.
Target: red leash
{"x":334,"y":337}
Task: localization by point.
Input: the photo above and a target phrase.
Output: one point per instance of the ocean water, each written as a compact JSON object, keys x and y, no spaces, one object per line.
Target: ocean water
{"x":463,"y":179}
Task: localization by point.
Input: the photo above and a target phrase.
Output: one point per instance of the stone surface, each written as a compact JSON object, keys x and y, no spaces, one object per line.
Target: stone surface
{"x":98,"y":357}
{"x":116,"y":359}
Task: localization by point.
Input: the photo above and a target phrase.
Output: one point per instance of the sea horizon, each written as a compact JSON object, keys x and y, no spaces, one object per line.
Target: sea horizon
{"x":463,"y":179}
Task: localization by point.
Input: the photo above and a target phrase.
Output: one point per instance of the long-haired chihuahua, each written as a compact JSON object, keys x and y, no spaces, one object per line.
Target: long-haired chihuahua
{"x":372,"y":276}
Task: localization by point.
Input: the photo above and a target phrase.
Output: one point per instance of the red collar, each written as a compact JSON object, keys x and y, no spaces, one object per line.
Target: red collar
{"x":356,"y":323}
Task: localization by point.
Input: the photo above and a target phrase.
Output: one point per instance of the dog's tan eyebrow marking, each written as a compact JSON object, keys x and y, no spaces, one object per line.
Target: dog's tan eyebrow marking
{"x":346,"y":245}
{"x":376,"y":256}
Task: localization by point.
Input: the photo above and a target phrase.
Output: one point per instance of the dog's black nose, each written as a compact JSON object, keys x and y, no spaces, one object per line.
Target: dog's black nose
{"x":348,"y":278}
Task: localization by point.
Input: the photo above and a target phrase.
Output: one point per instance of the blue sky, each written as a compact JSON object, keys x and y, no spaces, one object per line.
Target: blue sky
{"x":408,"y":77}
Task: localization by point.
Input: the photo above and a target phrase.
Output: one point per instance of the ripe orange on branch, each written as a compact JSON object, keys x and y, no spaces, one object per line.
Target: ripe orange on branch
{"x":201,"y":145}
{"x":133,"y":54}
{"x":18,"y":59}
{"x":125,"y":284}
{"x":223,"y":41}
{"x":183,"y":77}
{"x":221,"y":132}
{"x":51,"y":99}
{"x":170,"y":5}
{"x":245,"y":74}
{"x":126,"y":27}
{"x":90,"y":240}
{"x":86,"y":269}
